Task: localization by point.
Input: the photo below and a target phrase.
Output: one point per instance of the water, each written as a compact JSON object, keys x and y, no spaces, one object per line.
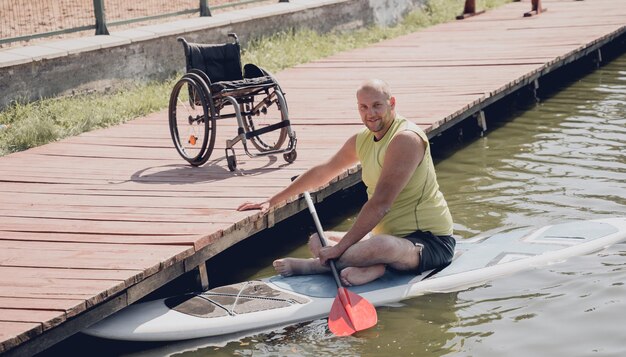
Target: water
{"x":561,"y":160}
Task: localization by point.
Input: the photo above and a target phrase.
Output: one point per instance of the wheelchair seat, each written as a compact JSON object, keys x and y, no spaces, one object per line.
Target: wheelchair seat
{"x":241,"y":86}
{"x":215,"y":83}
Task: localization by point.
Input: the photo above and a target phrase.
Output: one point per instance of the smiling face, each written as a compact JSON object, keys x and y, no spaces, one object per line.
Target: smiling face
{"x":376,"y":107}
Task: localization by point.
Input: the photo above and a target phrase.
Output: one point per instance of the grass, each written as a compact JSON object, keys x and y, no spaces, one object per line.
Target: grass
{"x":37,"y":123}
{"x":26,"y":125}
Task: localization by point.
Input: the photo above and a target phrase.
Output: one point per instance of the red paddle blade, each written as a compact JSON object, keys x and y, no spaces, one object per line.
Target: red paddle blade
{"x":350,"y":313}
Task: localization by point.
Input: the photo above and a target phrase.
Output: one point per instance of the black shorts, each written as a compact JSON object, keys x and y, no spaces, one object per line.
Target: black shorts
{"x":436,"y":252}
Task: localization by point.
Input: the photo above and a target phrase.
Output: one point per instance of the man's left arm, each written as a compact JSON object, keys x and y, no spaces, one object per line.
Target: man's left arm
{"x":404,"y":154}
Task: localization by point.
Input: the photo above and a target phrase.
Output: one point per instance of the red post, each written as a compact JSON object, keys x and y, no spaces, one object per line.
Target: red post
{"x":536,"y":8}
{"x":469,"y":10}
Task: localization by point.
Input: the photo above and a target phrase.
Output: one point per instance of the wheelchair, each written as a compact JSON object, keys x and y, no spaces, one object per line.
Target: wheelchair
{"x":214,"y":88}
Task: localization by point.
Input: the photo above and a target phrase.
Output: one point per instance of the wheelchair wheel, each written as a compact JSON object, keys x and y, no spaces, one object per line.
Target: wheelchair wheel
{"x":274,"y":111}
{"x":290,"y":156}
{"x":192,"y":126}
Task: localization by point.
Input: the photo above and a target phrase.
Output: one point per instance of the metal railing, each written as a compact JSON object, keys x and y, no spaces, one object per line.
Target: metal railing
{"x":24,"y":20}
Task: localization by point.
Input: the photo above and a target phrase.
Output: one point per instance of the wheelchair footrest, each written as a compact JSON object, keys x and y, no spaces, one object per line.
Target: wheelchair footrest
{"x":267,"y":129}
{"x":291,"y":146}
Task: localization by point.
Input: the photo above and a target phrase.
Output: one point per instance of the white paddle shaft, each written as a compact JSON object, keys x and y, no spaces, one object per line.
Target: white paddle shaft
{"x":320,"y":234}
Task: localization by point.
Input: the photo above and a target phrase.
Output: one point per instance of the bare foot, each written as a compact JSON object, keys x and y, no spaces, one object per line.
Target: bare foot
{"x":361,"y":275}
{"x":298,"y":266}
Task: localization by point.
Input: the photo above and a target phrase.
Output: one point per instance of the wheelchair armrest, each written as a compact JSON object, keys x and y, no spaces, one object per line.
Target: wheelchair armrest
{"x":253,"y":71}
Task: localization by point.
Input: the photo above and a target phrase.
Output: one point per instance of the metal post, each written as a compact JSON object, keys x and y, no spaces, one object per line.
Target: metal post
{"x":536,"y":8}
{"x":482,"y":122}
{"x":470,"y":7}
{"x":101,"y":23}
{"x":204,"y":8}
{"x":535,"y":90}
{"x":202,"y":277}
{"x":469,"y":10}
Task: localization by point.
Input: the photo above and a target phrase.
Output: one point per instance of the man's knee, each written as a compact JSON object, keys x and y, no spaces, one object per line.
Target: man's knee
{"x":332,"y":238}
{"x":397,"y":252}
{"x":376,"y":249}
{"x":382,"y":244}
{"x":314,"y":243}
{"x":314,"y":238}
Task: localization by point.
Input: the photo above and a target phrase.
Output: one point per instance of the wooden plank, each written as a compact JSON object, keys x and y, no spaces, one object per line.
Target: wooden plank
{"x":180,"y":240}
{"x":90,"y":255}
{"x":63,"y":212}
{"x":90,"y":292}
{"x":42,"y":303}
{"x":71,"y":274}
{"x":21,"y":224}
{"x":15,"y":333}
{"x":70,"y":307}
{"x":47,"y":318}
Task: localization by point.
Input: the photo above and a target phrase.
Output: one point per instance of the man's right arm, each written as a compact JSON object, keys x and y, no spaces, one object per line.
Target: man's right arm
{"x":313,"y":178}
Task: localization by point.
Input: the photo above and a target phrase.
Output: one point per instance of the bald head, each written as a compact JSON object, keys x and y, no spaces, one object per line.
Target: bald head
{"x":375,"y":85}
{"x":376,"y":106}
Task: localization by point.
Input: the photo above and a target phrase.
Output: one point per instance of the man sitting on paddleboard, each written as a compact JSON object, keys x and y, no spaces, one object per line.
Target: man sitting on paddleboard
{"x":407,"y":215}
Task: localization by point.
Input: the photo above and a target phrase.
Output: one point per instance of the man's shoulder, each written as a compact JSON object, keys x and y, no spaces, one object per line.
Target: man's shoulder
{"x":407,"y":124}
{"x":409,"y":128}
{"x":408,"y":138}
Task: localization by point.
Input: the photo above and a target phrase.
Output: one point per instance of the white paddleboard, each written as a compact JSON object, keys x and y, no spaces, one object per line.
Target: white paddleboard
{"x":279,"y":301}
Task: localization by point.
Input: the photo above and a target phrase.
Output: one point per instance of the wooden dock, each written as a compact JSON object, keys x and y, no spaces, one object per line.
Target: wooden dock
{"x":93,"y":223}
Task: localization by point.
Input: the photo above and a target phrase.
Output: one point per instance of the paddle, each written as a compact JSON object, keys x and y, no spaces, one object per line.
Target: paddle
{"x":350,"y":312}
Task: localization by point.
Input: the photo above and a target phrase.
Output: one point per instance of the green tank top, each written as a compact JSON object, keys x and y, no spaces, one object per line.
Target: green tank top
{"x":420,"y":205}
